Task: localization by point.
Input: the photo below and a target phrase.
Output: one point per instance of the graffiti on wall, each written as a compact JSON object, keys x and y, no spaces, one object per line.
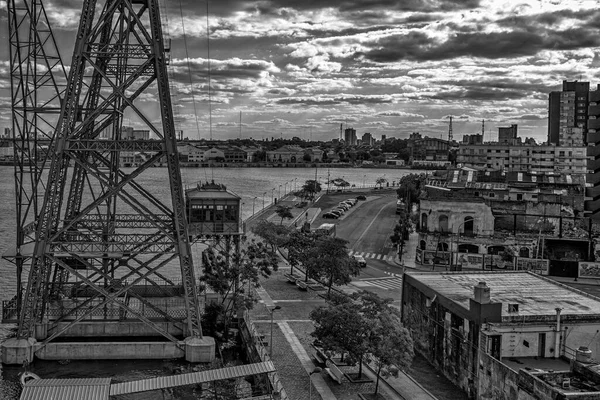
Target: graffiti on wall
{"x":431,"y":257}
{"x":589,"y":269}
{"x":482,"y":261}
{"x":539,"y":266}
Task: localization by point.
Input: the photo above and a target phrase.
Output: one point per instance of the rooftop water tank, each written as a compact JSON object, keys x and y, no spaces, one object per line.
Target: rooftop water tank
{"x":482,"y":293}
{"x":583,"y":354}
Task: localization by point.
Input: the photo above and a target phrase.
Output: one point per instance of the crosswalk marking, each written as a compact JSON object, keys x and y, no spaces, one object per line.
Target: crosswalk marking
{"x":375,"y":256}
{"x":382,"y":283}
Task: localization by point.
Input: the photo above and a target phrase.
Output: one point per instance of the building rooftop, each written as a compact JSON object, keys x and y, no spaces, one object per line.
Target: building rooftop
{"x":210,"y":190}
{"x":535,"y":295}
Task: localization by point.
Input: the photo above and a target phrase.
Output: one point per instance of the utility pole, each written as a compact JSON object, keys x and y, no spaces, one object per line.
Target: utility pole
{"x":450,"y":130}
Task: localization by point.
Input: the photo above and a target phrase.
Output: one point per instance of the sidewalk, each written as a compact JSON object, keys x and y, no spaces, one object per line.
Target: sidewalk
{"x":291,"y":340}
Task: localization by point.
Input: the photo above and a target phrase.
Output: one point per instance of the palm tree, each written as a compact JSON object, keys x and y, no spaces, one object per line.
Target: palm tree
{"x":380,"y":181}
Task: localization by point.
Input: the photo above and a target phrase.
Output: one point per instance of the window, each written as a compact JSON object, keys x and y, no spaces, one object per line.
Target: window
{"x":469,"y":225}
{"x":513,"y":308}
{"x":442,"y":246}
{"x":519,"y":196}
{"x":424,"y":221}
{"x":443,"y":223}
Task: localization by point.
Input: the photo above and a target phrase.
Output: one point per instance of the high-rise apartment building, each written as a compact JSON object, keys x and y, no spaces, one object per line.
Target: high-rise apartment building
{"x":592,"y":192}
{"x":367,"y":139}
{"x":507,"y":135}
{"x":350,"y":136}
{"x":568,"y":114}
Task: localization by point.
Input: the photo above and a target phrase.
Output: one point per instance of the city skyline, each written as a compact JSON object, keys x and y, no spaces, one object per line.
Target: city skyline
{"x":389,"y":68}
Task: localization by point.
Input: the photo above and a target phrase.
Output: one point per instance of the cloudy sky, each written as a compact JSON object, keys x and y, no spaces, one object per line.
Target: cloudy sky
{"x":389,"y":67}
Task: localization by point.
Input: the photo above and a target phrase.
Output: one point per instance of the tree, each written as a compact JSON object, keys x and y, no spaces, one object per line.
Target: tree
{"x":284,"y":212}
{"x":298,"y":246}
{"x":364,"y":326}
{"x":328,"y":259}
{"x":380,"y":181}
{"x":228,"y":272}
{"x":274,"y":235}
{"x":410,"y":188}
{"x":309,"y":190}
{"x":393,"y":348}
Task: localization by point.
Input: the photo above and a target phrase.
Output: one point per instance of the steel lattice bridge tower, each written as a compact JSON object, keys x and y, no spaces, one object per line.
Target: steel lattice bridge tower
{"x":106,"y":256}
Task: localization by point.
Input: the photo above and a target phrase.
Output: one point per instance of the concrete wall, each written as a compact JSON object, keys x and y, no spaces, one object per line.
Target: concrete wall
{"x":496,"y":381}
{"x":456,"y":211}
{"x":110,"y":351}
{"x":106,"y":328}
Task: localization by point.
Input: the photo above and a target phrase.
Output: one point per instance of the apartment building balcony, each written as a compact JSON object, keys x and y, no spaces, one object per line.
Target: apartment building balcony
{"x":593,"y":151}
{"x":594,"y":96}
{"x":593,"y":124}
{"x":593,"y":137}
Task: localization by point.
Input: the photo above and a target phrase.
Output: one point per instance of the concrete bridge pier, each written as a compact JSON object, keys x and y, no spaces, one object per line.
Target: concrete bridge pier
{"x":200,"y":350}
{"x":18,"y":351}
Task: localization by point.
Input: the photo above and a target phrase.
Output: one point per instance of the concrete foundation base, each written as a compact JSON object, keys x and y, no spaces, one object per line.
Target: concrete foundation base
{"x":200,"y":350}
{"x":18,"y":351}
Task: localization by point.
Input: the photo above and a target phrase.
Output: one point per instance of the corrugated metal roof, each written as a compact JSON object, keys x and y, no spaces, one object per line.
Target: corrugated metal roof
{"x":192,"y":378}
{"x":67,"y":389}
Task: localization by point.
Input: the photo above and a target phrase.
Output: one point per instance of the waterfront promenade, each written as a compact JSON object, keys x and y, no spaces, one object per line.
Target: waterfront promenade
{"x":291,"y":343}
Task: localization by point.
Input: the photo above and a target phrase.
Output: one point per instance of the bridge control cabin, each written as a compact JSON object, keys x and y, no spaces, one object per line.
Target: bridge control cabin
{"x":212,"y":210}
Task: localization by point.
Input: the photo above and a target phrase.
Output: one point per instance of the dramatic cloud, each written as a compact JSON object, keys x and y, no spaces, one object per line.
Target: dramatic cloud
{"x":386,"y":66}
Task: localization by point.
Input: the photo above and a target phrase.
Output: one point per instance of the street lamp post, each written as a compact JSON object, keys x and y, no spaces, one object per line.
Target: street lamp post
{"x":364,"y":178}
{"x":264,"y":194}
{"x":310,"y":374}
{"x":279,"y":192}
{"x":272,"y":310}
{"x":253,"y":201}
{"x":285,"y":189}
{"x":295,"y":180}
{"x":272,"y":191}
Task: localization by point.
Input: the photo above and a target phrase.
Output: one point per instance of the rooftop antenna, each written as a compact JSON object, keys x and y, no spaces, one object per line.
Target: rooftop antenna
{"x":450,"y":130}
{"x":341,"y":131}
{"x":208,"y":65}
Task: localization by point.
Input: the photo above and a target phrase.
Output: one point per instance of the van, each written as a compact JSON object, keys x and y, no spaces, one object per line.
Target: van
{"x":326,"y":229}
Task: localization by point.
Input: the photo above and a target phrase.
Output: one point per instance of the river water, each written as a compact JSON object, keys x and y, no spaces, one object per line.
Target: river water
{"x":258,"y":188}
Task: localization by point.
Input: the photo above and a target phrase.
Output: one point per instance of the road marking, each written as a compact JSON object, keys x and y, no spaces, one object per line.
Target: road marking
{"x":381,"y":283}
{"x":372,"y":222}
{"x":376,"y":256}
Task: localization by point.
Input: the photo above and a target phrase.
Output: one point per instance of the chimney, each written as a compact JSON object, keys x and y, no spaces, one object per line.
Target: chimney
{"x":482,"y":293}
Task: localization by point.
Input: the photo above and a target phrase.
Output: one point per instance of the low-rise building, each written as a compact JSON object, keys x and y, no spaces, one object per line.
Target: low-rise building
{"x":480,"y":329}
{"x":286,"y":154}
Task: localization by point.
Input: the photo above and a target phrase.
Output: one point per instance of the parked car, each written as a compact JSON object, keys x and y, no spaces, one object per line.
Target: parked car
{"x":346,"y":203}
{"x":344,"y":206}
{"x":332,"y":215}
{"x":361,"y":261}
{"x":351,"y":201}
{"x":361,"y":197}
{"x":337,"y":211}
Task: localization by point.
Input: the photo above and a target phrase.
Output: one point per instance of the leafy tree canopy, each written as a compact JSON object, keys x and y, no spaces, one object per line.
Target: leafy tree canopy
{"x":363,"y":325}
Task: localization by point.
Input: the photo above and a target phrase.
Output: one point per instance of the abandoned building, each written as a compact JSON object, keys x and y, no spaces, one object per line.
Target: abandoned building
{"x":500,"y":335}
